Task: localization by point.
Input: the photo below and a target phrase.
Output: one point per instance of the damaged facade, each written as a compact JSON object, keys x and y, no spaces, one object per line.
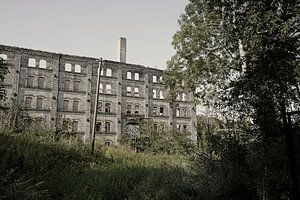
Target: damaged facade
{"x":59,"y":91}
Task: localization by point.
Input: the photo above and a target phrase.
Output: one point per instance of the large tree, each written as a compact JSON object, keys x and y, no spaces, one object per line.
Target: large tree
{"x":242,"y":56}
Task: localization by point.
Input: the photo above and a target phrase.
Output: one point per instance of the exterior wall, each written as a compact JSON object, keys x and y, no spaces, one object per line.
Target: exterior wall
{"x":68,"y":94}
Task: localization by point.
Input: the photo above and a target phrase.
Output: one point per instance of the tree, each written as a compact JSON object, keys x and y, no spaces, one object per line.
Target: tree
{"x":242,"y":57}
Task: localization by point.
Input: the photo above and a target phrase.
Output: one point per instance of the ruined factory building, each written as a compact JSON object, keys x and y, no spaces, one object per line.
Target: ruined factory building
{"x":59,"y":91}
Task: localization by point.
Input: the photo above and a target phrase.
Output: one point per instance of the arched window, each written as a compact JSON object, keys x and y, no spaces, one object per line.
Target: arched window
{"x":108,"y":72}
{"x":161,"y":94}
{"x":39,"y":103}
{"x":107,"y":127}
{"x":43,"y":64}
{"x":75,"y":105}
{"x":107,"y":108}
{"x":28,"y":102}
{"x":136,"y":92}
{"x":128,"y":110}
{"x":184,"y":127}
{"x":161,"y":111}
{"x":75,"y":126}
{"x":136,"y":76}
{"x":154,"y":111}
{"x":65,"y":104}
{"x":108,"y":89}
{"x":177,"y":112}
{"x":99,"y":108}
{"x":31,"y":62}
{"x":3,"y":56}
{"x":137,"y":109}
{"x":68,"y":67}
{"x":183,"y":97}
{"x":30,"y":81}
{"x":67,"y":84}
{"x":41,"y":82}
{"x":128,"y":75}
{"x":77,"y":69}
{"x":98,"y":127}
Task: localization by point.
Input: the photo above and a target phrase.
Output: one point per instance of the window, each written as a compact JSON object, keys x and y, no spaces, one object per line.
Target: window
{"x":65,"y":104}
{"x":184,"y":112}
{"x":184,"y":127}
{"x":177,"y":112}
{"x":161,"y":94}
{"x":128,"y":75}
{"x":154,"y":93}
{"x":128,"y":109}
{"x":107,"y":143}
{"x":98,"y":127}
{"x":154,"y":79}
{"x":137,"y":109}
{"x":75,"y":126}
{"x":39,"y":103}
{"x":136,"y":92}
{"x":67,"y":85}
{"x":154,"y":111}
{"x":178,"y":97}
{"x":107,"y":127}
{"x":155,"y":127}
{"x":43,"y":64}
{"x":30,"y":81}
{"x":136,"y":76}
{"x":76,"y":85}
{"x":41,"y":82}
{"x":108,"y":89}
{"x":178,"y":126}
{"x":107,"y":107}
{"x":108,"y":72}
{"x":101,"y":88}
{"x":3,"y":56}
{"x":68,"y":67}
{"x":28,"y":102}
{"x":161,"y":111}
{"x":128,"y":91}
{"x":183,"y":97}
{"x":101,"y":72}
{"x":77,"y":69}
{"x":75,"y":105}
{"x":31,"y":62}
{"x":99,"y":107}
{"x":65,"y":125}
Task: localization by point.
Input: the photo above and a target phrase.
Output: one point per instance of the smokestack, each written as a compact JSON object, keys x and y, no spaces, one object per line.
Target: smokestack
{"x":122,"y":49}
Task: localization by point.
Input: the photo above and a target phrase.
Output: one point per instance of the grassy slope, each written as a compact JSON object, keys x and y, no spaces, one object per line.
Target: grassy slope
{"x":38,"y":167}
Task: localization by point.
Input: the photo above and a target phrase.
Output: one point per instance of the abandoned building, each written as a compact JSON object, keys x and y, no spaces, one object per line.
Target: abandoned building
{"x":59,"y":90}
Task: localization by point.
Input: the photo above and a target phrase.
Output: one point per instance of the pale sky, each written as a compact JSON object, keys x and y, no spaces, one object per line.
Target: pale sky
{"x":92,"y":27}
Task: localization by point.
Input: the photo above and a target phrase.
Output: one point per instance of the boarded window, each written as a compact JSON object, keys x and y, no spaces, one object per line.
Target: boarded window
{"x":75,"y":126}
{"x":28,"y":102}
{"x":39,"y":103}
{"x":136,"y":92}
{"x":31,"y":62}
{"x":108,"y":89}
{"x":108,"y":72}
{"x":68,"y":67}
{"x":107,"y":127}
{"x":128,"y":75}
{"x":76,"y":85}
{"x":43,"y":64}
{"x":107,"y":108}
{"x":30,"y":81}
{"x":41,"y":82}
{"x":77,"y":69}
{"x":136,"y":76}
{"x":65,"y":105}
{"x":67,"y":85}
{"x":75,"y":105}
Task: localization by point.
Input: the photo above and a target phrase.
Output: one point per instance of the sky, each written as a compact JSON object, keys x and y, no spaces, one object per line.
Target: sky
{"x":92,"y":27}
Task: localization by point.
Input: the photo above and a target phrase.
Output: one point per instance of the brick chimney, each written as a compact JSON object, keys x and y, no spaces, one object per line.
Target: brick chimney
{"x":122,"y":49}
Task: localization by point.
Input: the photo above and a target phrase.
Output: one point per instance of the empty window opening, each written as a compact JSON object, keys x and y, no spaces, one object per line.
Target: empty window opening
{"x":28,"y":102}
{"x":65,"y":105}
{"x":161,"y":111}
{"x":128,"y":91}
{"x":31,"y":62}
{"x":154,"y":93}
{"x":68,"y":67}
{"x":136,"y":92}
{"x":75,"y":126}
{"x":39,"y":103}
{"x":75,"y":105}
{"x":128,"y":109}
{"x":154,"y":111}
{"x":99,"y":107}
{"x":30,"y":81}
{"x":67,"y":84}
{"x":154,"y":79}
{"x":107,"y":127}
{"x":128,"y":75}
{"x":43,"y":64}
{"x":136,"y":76}
{"x":108,"y":89}
{"x":3,"y":56}
{"x":178,"y":97}
{"x":184,"y":127}
{"x":177,"y":112}
{"x":108,"y":72}
{"x":77,"y":68}
{"x":98,"y":127}
{"x":107,"y":143}
{"x":76,"y":85}
{"x":41,"y":82}
{"x":107,"y":108}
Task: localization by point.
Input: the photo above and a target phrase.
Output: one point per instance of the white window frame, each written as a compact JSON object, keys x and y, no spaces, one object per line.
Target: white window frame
{"x":43,"y":64}
{"x":136,"y":76}
{"x":68,"y":67}
{"x":109,"y":72}
{"x":128,"y":75}
{"x":77,"y":68}
{"x":31,"y":62}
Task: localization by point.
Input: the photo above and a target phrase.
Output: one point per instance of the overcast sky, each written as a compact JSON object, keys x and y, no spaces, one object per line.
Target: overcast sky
{"x":92,"y":27}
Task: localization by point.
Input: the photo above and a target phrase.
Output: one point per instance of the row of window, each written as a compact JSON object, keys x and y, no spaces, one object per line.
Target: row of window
{"x":66,"y":105}
{"x":68,"y":68}
{"x":67,"y":85}
{"x":158,"y":94}
{"x":32,"y":63}
{"x":158,"y":111}
{"x":103,"y":127}
{"x":132,"y":91}
{"x":31,"y":82}
{"x":108,"y":88}
{"x":181,"y":127}
{"x":136,"y":76}
{"x":29,"y":102}
{"x":106,"y":108}
{"x":181,"y":112}
{"x":181,"y":97}
{"x":133,"y":109}
{"x":69,"y":125}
